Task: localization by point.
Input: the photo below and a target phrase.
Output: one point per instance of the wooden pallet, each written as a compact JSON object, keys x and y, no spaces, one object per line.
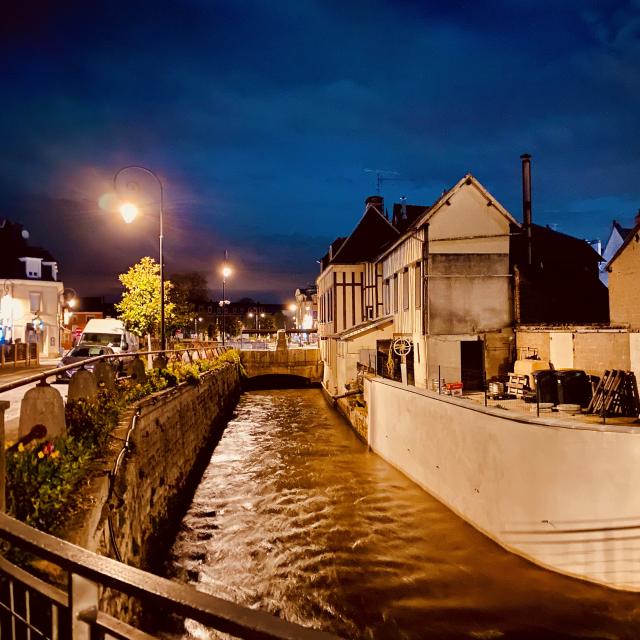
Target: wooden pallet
{"x":517,"y":384}
{"x":616,"y":394}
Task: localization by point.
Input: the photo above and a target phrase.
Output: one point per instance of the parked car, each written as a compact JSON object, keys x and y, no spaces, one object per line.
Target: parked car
{"x":80,"y":353}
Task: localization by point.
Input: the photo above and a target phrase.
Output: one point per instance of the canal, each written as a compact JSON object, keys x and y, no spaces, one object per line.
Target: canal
{"x":295,"y":516}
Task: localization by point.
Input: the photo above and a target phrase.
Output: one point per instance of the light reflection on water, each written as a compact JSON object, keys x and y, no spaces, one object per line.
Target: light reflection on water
{"x":295,"y":516}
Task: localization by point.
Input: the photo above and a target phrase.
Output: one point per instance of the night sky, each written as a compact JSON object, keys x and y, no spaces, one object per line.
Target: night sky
{"x":261,"y":118}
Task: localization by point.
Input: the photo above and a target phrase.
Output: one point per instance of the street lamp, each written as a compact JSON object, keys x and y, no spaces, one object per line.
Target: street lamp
{"x":195,"y":325}
{"x":257,"y":316}
{"x":129,"y":212}
{"x":226,"y":272}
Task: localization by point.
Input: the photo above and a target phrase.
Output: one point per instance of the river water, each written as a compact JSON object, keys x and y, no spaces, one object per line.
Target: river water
{"x":295,"y":516}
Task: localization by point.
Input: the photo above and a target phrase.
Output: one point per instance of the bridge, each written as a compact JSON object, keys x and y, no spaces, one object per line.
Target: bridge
{"x":303,"y":363}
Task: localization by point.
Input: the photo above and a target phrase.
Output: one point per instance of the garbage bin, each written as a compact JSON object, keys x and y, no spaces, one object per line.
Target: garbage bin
{"x":574,"y":387}
{"x":547,"y":385}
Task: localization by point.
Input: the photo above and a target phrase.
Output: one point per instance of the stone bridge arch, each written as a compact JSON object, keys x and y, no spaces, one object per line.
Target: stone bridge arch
{"x":303,"y":363}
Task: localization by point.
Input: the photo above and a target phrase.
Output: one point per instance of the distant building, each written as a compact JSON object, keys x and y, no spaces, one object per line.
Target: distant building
{"x":617,"y":236}
{"x":78,"y":313}
{"x":624,"y":281}
{"x":306,"y":313}
{"x":30,"y":292}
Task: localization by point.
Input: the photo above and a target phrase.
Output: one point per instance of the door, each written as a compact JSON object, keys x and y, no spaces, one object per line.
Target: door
{"x":472,"y":364}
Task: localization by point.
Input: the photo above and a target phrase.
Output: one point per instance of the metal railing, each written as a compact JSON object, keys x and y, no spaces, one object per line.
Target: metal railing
{"x":171,"y":354}
{"x":32,"y":608}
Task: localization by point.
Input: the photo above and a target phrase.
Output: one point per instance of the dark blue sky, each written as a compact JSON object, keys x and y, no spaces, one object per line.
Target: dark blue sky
{"x":261,"y":117}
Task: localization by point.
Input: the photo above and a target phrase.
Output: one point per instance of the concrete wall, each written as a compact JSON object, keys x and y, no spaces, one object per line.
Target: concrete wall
{"x":624,"y":292}
{"x":468,"y":293}
{"x":592,"y":350}
{"x":529,"y":343}
{"x":557,"y":492}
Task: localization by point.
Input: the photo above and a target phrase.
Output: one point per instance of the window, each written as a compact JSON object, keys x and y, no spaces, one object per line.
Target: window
{"x":35,"y":299}
{"x":405,"y":289}
{"x":395,"y":293}
{"x":386,"y":297}
{"x":418,"y":285}
{"x":54,"y":269}
{"x":33,"y":267}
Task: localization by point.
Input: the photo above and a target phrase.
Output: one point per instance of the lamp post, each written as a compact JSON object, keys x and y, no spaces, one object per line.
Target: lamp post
{"x":226,"y":272}
{"x":195,"y":325}
{"x":129,"y":212}
{"x":294,"y":311}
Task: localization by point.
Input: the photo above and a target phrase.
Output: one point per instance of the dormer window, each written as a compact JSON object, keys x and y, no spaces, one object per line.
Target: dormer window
{"x":33,"y":267}
{"x":54,"y":269}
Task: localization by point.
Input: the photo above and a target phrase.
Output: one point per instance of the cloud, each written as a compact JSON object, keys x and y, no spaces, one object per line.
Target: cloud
{"x":260,"y":120}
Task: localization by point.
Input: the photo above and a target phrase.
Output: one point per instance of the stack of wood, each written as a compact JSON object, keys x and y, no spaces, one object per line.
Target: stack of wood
{"x":616,"y":394}
{"x":517,"y":385}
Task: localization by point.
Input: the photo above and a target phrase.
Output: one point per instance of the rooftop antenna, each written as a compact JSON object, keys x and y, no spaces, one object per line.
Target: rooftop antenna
{"x":382,"y":175}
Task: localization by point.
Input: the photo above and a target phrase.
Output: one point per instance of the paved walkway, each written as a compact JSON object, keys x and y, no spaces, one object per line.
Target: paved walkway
{"x":9,"y":373}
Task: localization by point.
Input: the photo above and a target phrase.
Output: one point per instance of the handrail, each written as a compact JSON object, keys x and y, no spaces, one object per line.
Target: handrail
{"x":183,"y":599}
{"x":38,"y":377}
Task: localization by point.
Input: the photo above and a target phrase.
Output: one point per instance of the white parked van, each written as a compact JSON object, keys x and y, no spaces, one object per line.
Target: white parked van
{"x":109,"y":332}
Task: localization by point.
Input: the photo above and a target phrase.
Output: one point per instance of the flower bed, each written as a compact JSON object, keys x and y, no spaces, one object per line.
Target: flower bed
{"x":43,"y":475}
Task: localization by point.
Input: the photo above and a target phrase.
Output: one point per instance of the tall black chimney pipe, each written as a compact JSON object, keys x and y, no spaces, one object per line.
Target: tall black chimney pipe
{"x":526,"y":201}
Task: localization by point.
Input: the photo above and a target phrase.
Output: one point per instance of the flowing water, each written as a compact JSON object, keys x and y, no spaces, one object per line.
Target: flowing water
{"x":295,"y":516}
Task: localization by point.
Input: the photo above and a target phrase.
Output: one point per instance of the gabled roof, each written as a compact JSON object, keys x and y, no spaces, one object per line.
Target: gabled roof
{"x":550,"y":245}
{"x":429,"y":212}
{"x":623,"y":231}
{"x":632,"y":234}
{"x":371,"y":235}
{"x":466,"y":180}
{"x":405,"y":214}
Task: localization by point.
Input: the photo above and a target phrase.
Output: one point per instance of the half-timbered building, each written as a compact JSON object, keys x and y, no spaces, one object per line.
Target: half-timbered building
{"x":446,"y":283}
{"x":350,"y":296}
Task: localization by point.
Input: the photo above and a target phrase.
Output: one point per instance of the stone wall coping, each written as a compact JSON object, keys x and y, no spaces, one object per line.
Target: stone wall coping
{"x":511,"y":416}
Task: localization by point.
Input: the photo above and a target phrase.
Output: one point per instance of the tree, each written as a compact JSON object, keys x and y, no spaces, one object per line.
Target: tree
{"x":139,"y":308}
{"x":232,"y":326}
{"x":280,"y":320}
{"x":189,"y":290}
{"x":267,"y":324}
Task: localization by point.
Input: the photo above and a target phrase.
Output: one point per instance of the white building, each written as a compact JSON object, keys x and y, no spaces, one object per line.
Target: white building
{"x":30,"y":292}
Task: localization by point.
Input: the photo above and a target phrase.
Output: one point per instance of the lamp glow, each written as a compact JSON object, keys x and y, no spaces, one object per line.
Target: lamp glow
{"x":129,"y":212}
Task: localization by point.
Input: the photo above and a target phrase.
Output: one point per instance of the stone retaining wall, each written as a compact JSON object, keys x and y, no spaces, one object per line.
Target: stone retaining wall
{"x":171,"y":443}
{"x":171,"y":440}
